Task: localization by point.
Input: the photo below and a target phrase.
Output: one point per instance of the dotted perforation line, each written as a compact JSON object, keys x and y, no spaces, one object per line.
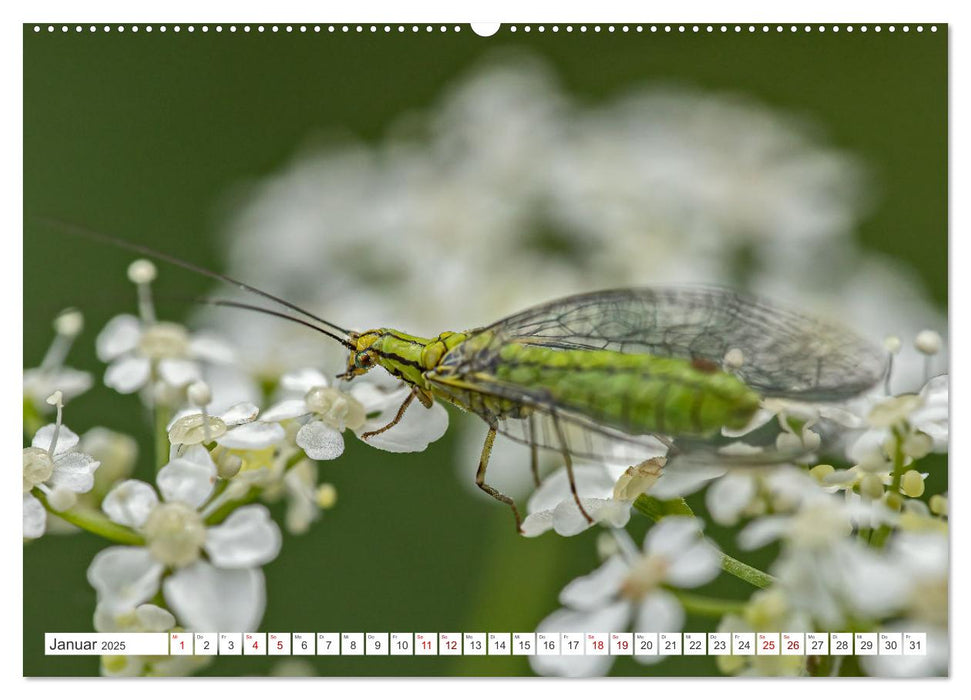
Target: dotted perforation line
{"x":726,"y":28}
{"x":249,"y":28}
{"x":442,"y":28}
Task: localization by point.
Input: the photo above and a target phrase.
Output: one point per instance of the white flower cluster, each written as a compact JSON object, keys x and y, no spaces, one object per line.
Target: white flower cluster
{"x":861,"y":547}
{"x":189,"y":543}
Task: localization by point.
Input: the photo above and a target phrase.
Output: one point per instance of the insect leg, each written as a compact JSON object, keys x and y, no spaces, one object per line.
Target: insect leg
{"x":398,"y":416}
{"x":569,"y":466}
{"x":533,"y":451}
{"x":480,"y":479}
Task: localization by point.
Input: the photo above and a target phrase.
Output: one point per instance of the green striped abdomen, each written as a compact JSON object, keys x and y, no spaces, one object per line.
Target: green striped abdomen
{"x":636,"y":393}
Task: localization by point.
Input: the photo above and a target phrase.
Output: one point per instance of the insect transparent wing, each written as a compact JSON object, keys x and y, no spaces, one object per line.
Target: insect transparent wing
{"x":784,"y":353}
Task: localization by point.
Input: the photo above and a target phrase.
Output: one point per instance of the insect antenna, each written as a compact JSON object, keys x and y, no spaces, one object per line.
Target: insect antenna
{"x":273,"y":312}
{"x":80,"y":231}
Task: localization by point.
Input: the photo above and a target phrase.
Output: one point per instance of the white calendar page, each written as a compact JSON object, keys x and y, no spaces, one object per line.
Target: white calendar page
{"x":220,"y":484}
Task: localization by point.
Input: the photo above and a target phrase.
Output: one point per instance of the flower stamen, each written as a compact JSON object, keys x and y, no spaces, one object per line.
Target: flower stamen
{"x":56,"y":399}
{"x":142,"y":272}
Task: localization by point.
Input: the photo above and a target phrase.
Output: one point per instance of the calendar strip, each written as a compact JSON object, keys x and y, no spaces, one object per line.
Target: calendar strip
{"x":487,"y":644}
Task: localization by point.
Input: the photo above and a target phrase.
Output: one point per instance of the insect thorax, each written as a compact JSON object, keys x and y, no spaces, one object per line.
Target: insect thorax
{"x":406,"y":356}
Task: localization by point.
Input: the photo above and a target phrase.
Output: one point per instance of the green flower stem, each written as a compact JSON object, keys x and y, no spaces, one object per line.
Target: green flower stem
{"x":93,"y":521}
{"x":162,"y":416}
{"x":706,"y":605}
{"x":879,"y":537}
{"x":656,"y":509}
{"x":898,"y":461}
{"x":749,"y":574}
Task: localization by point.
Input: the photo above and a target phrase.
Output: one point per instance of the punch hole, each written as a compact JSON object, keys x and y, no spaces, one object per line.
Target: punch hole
{"x":485,"y":28}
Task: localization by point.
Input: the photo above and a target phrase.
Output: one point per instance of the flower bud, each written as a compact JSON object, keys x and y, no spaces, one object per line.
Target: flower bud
{"x":912,"y":483}
{"x":326,"y":496}
{"x":199,"y":394}
{"x":229,"y":465}
{"x":142,"y":271}
{"x":69,"y":322}
{"x":871,"y":486}
{"x":892,"y":344}
{"x":821,"y":471}
{"x":606,"y":546}
{"x":928,"y":342}
{"x":938,"y":504}
{"x":894,"y":501}
{"x":788,"y":442}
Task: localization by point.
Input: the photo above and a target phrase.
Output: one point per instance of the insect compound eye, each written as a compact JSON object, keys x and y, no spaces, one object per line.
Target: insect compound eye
{"x":364,"y":359}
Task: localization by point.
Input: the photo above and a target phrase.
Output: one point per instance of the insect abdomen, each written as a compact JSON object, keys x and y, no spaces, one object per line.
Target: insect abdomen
{"x":634,"y":392}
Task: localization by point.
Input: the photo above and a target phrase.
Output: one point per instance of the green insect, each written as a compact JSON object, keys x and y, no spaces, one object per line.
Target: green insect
{"x":583,"y":374}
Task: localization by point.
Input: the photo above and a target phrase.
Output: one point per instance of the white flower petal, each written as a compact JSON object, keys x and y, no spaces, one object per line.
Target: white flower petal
{"x":289,"y":408}
{"x":205,"y":598}
{"x":178,"y":372}
{"x":152,"y":618}
{"x":106,"y":619}
{"x":875,"y":587}
{"x":41,"y":383}
{"x":144,"y":618}
{"x":124,"y":576}
{"x":728,"y":496}
{"x":74,"y":471}
{"x":681,"y":479}
{"x":208,"y":347}
{"x":660,"y":611}
{"x":536,"y":524}
{"x":870,"y":442}
{"x":613,"y":618}
{"x":253,"y":436}
{"x":672,"y":535}
{"x":35,"y":517}
{"x":197,"y":454}
{"x":230,"y":385}
{"x":248,"y":537}
{"x":569,"y":521}
{"x":240,"y":413}
{"x":416,"y":429}
{"x":694,"y":566}
{"x":67,"y":439}
{"x":127,"y":375}
{"x":759,"y":533}
{"x":374,"y":398}
{"x":592,"y":481}
{"x":303,"y":380}
{"x":597,"y":588}
{"x":124,"y":666}
{"x":119,"y":336}
{"x":130,"y":502}
{"x":320,"y":441}
{"x":187,"y":480}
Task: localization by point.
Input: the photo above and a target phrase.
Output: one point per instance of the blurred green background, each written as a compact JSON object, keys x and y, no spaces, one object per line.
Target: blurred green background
{"x":143,"y":135}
